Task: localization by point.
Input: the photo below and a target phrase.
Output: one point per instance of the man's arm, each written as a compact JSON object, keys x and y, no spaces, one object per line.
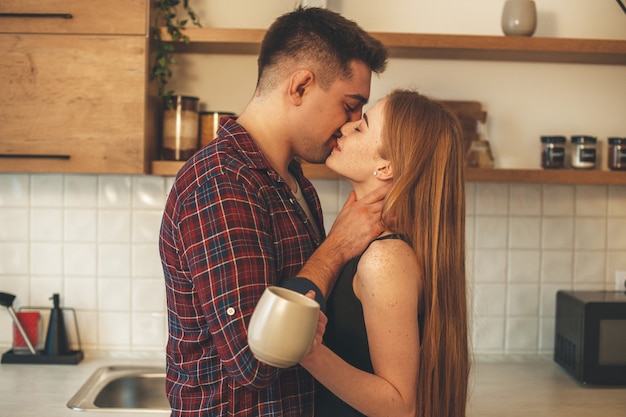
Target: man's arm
{"x":356,"y":225}
{"x":230,"y":256}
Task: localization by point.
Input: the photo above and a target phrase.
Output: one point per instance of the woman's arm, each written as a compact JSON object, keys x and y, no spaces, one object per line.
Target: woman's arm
{"x":388,"y":284}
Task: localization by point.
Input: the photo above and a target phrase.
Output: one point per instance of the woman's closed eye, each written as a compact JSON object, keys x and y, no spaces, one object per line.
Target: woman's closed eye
{"x":362,"y":124}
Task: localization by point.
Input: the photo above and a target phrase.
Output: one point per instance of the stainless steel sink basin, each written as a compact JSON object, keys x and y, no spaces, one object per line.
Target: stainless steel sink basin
{"x":123,"y":388}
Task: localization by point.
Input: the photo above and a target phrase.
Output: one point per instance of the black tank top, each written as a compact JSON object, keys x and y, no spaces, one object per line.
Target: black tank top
{"x":346,"y":336}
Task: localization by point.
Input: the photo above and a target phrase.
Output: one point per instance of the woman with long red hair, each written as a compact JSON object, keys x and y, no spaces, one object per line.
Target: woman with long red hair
{"x":396,"y":341}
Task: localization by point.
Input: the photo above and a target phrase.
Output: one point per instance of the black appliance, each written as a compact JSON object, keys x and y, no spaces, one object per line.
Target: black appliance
{"x":590,"y":338}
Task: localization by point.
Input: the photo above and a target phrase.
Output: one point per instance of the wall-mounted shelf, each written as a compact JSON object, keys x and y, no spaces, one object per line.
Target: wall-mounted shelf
{"x":451,"y":47}
{"x":559,"y":176}
{"x":433,"y":46}
{"x":547,"y":176}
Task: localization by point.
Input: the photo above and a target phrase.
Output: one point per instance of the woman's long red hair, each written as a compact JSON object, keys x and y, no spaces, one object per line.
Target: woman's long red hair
{"x":423,"y":141}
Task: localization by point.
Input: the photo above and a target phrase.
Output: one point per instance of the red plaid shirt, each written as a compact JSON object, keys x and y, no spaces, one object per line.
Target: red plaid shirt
{"x":231,"y":227}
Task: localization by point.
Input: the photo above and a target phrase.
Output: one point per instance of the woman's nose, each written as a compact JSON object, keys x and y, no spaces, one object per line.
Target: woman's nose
{"x":346,"y":127}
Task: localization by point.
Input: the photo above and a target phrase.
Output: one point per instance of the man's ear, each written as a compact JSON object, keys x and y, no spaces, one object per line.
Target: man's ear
{"x":299,"y":83}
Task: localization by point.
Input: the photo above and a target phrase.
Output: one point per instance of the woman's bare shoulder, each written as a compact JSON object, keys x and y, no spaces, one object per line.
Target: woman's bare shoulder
{"x":386,"y":264}
{"x":385,"y":250}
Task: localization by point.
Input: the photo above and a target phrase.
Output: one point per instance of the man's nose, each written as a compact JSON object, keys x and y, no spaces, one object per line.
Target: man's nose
{"x":355,"y":116}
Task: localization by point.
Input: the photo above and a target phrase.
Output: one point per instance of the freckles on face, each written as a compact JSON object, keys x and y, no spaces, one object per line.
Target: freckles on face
{"x":357,"y":154}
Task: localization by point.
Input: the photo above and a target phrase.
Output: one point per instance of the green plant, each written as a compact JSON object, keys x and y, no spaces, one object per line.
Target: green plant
{"x":164,"y":50}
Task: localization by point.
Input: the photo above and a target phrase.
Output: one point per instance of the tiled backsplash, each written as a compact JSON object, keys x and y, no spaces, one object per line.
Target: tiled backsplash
{"x":93,"y":239}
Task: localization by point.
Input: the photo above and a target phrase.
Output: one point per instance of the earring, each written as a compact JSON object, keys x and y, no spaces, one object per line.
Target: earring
{"x":375,"y":173}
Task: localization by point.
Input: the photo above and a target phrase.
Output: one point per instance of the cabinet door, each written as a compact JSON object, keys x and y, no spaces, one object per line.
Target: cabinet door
{"x":73,"y":103}
{"x":74,"y":16}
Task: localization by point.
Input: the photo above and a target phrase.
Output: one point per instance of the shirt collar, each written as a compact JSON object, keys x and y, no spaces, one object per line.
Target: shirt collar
{"x":248,"y":149}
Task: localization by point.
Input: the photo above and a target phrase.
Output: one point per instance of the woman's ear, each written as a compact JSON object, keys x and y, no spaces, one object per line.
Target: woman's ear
{"x":299,"y":83}
{"x":384,"y":172}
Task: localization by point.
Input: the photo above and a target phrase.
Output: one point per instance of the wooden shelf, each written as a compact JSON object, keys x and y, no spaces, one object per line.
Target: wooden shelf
{"x":433,"y":46}
{"x":541,"y":176}
{"x":547,"y":176}
{"x":449,"y":47}
{"x":166,"y":168}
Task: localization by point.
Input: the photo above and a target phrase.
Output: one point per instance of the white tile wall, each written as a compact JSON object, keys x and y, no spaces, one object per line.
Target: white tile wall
{"x":93,"y":239}
{"x":525,"y":242}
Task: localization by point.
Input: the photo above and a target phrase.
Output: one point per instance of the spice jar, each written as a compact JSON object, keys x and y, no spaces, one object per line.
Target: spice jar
{"x":209,"y":122}
{"x":617,"y":154}
{"x":479,"y":155}
{"x":180,"y":127}
{"x":584,"y":152}
{"x":553,"y":153}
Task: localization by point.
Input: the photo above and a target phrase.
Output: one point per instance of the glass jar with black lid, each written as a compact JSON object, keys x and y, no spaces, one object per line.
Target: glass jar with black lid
{"x":584,"y":152}
{"x":553,"y":153}
{"x":617,"y":154}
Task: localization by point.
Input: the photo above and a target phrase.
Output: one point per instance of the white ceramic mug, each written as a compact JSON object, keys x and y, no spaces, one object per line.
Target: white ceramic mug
{"x":282,"y":327}
{"x":519,"y":18}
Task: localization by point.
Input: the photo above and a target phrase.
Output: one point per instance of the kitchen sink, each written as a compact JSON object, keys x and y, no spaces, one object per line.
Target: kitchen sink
{"x":123,"y":388}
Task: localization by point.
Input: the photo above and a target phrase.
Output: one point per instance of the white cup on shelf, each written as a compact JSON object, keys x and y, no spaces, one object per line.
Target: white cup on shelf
{"x":519,"y":18}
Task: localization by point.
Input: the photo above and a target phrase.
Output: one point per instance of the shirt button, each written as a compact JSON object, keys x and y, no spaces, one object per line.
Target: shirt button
{"x":230,"y":311}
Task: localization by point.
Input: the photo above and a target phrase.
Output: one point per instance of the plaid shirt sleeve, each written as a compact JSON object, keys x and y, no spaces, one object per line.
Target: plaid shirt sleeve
{"x":228,"y":222}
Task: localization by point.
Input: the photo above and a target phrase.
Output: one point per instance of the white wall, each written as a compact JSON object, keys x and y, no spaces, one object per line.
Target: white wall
{"x":93,"y":238}
{"x":556,"y":18}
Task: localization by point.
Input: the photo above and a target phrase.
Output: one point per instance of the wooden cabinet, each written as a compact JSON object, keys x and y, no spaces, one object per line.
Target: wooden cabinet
{"x":76,"y":96}
{"x":119,"y":17}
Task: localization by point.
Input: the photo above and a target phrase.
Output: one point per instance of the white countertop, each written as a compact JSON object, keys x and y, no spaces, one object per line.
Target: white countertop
{"x":44,"y":390}
{"x":537,"y":387}
{"x":503,"y":386}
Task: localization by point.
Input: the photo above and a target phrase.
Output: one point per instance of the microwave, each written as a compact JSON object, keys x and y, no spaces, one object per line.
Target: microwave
{"x":590,"y":336}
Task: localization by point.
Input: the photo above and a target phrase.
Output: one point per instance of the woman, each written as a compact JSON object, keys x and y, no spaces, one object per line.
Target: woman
{"x":396,"y":341}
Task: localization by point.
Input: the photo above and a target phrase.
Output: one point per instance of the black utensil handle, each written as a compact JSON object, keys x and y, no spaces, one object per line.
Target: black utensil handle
{"x":38,"y":15}
{"x":6,"y":299}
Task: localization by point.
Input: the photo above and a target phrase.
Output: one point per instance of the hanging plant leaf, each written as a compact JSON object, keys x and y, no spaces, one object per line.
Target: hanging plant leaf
{"x":163,"y":55}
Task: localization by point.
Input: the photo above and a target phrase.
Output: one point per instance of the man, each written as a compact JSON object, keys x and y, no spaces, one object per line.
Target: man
{"x":241,"y":216}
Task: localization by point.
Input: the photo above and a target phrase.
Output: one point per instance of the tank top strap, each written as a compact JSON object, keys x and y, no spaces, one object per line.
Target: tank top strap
{"x":391,"y":236}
